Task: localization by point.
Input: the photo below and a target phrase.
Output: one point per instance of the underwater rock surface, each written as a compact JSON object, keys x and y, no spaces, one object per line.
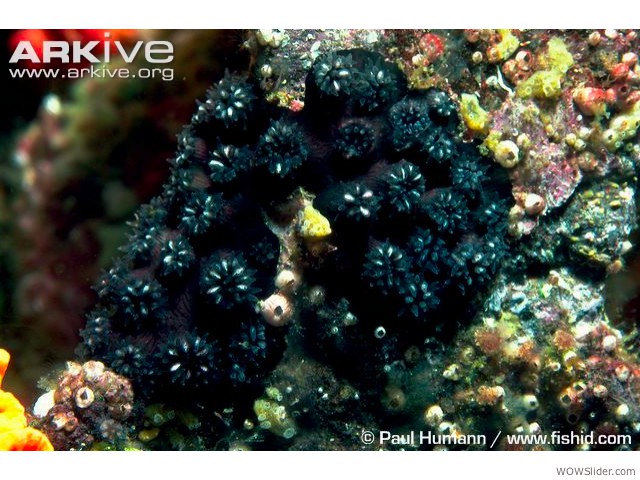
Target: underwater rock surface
{"x":381,"y":253}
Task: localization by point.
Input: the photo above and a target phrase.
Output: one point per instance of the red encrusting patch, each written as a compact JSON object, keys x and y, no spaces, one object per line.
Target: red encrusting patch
{"x":432,"y":47}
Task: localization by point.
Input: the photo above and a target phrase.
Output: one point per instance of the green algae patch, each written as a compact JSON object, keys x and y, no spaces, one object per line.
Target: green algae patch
{"x":547,"y":83}
{"x":558,"y":58}
{"x":541,"y":85}
{"x":475,"y":117}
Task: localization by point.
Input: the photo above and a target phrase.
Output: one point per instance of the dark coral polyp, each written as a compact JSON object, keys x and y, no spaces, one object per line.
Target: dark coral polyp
{"x":227,"y":282}
{"x":354,"y":139}
{"x":415,"y":230}
{"x":282,"y":148}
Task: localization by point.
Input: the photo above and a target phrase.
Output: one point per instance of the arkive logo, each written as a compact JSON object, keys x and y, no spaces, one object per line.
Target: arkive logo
{"x":94,"y":51}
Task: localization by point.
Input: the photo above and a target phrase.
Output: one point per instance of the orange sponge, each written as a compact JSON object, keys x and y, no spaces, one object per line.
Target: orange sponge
{"x":14,"y":432}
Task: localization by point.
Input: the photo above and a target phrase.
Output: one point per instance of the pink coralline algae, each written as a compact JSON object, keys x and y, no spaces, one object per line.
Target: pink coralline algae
{"x":546,"y":166}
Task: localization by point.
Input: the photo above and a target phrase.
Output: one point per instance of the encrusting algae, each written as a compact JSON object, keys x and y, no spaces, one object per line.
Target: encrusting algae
{"x":14,"y":432}
{"x":547,"y":83}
